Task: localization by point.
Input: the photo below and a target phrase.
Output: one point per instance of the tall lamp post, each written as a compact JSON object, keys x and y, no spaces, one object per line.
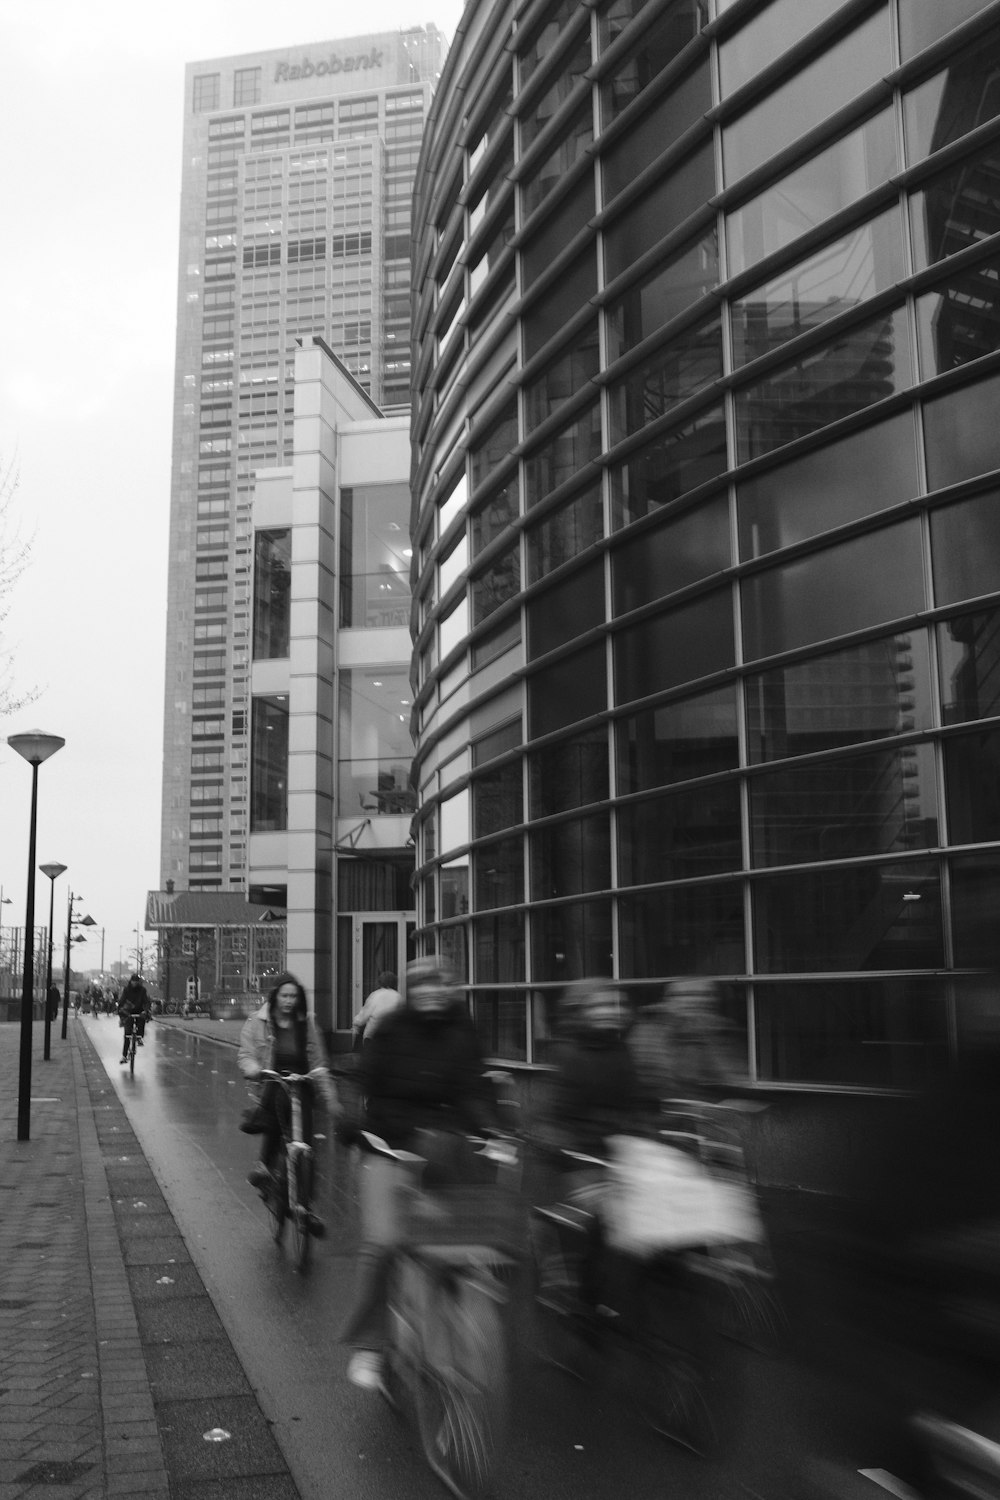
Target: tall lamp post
{"x":34,"y":747}
{"x":53,"y":871}
{"x":72,"y":922}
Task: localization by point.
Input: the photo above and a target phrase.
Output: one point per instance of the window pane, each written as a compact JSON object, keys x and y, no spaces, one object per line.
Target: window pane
{"x":669,"y":375}
{"x":842,"y":275}
{"x":864,"y":364}
{"x":969,"y":660}
{"x":875,"y":917}
{"x":659,"y":211}
{"x":272,"y":581}
{"x":571,"y":773}
{"x":972,"y":782}
{"x":961,"y":432}
{"x":497,"y":800}
{"x":565,"y":533}
{"x":675,"y":647}
{"x":572,"y":690}
{"x":550,"y":314}
{"x":269,"y":765}
{"x":763,"y":39}
{"x":498,"y":585}
{"x":549,"y":172}
{"x":454,"y":628}
{"x":850,"y":587}
{"x":975,"y":901}
{"x":572,"y":941}
{"x":681,"y":835}
{"x":682,"y":551}
{"x":959,"y":320}
{"x":495,"y":515}
{"x":965,"y":545}
{"x":920,"y":23}
{"x":567,"y":610}
{"x":570,"y":858}
{"x":954,"y":101}
{"x":656,"y":49}
{"x":957,"y":209}
{"x":568,"y":373}
{"x":498,"y":874}
{"x":677,"y":741}
{"x":862,"y":474}
{"x":562,"y":455}
{"x":453,"y":813}
{"x":649,"y":136}
{"x":501,"y":1020}
{"x":553,"y":232}
{"x":829,"y":181}
{"x":669,"y":467}
{"x":492,"y":448}
{"x":884,"y":803}
{"x":815,"y":91}
{"x":873,"y":1033}
{"x":661,"y":294}
{"x":845,"y":698}
{"x":683,"y":930}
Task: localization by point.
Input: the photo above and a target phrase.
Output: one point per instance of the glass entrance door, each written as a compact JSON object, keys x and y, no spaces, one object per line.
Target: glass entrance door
{"x":370,"y":943}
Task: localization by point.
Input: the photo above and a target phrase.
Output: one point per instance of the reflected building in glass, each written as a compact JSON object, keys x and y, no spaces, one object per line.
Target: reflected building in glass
{"x":706,"y":457}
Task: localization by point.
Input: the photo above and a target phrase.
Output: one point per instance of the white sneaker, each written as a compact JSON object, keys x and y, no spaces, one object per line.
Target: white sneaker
{"x":365,"y":1369}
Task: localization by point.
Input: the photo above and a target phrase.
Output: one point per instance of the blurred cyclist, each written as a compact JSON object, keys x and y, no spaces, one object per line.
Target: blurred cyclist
{"x":425,"y":1089}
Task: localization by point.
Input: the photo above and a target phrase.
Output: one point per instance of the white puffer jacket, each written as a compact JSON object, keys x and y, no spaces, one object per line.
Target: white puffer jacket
{"x":257,"y":1052}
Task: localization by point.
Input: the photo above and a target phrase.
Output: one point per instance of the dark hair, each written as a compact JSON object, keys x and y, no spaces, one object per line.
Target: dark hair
{"x":387,"y":979}
{"x":301,"y":1009}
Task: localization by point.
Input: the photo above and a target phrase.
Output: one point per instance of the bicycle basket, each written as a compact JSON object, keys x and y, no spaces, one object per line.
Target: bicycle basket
{"x":467,"y":1216}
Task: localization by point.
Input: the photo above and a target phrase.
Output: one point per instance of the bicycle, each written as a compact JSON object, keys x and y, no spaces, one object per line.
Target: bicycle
{"x":288,"y":1195}
{"x":449,"y":1336}
{"x":133,"y":1044}
{"x":660,"y":1315}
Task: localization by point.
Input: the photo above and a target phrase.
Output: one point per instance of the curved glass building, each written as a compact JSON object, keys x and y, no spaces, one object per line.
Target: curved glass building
{"x":706,"y":447}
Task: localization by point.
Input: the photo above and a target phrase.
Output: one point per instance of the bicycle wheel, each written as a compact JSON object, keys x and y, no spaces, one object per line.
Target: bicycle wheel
{"x":131,"y":1053}
{"x":298,"y":1208}
{"x":461,"y":1387}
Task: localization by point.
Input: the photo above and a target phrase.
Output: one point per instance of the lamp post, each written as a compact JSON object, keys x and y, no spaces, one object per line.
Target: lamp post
{"x":53,"y":871}
{"x":34,"y":747}
{"x":4,"y":901}
{"x":72,"y":922}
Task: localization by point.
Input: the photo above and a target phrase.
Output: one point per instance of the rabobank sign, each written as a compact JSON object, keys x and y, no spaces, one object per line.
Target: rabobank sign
{"x":324,"y":67}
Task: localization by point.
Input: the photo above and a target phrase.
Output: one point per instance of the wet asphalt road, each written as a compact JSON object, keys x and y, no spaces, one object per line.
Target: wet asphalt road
{"x":567,"y":1442}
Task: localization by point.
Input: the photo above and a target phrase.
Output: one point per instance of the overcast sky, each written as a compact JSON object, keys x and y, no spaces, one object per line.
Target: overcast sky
{"x":91,"y":114}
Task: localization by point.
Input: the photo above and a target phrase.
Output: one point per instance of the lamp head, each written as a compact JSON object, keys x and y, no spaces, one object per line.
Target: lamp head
{"x":53,"y":871}
{"x":35,"y":745}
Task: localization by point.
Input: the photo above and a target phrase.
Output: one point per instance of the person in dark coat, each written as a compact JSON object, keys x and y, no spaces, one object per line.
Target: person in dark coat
{"x":133,"y":1009}
{"x":425,"y":1087}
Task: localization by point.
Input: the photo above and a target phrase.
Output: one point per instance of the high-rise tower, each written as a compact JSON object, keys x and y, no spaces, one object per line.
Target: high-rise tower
{"x":295,"y":220}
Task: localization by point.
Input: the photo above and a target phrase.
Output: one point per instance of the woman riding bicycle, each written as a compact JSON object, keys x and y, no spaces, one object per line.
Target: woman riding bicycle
{"x":282,"y":1036}
{"x":425,"y":1088}
{"x":133,"y":1011}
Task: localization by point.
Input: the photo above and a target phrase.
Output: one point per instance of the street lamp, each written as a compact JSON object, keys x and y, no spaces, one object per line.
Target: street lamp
{"x":34,"y":747}
{"x":53,"y":871}
{"x":72,"y":922}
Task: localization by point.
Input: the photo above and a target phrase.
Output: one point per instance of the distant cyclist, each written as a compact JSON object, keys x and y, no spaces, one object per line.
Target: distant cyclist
{"x":133,"y":1011}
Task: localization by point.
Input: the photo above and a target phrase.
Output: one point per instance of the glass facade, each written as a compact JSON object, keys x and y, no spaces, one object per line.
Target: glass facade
{"x":721,"y":586}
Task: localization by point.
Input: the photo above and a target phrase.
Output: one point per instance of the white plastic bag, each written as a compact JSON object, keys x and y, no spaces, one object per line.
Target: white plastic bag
{"x":662,"y":1198}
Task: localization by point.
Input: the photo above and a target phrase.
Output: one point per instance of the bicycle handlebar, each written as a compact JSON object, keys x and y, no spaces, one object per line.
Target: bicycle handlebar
{"x":272,"y":1076}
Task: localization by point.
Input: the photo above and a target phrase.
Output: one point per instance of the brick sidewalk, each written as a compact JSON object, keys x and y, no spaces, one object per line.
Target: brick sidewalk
{"x":76,"y":1413}
{"x":113,"y":1361}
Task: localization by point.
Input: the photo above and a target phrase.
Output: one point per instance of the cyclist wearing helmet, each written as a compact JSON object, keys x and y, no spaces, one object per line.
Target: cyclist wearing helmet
{"x":425,"y":1087}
